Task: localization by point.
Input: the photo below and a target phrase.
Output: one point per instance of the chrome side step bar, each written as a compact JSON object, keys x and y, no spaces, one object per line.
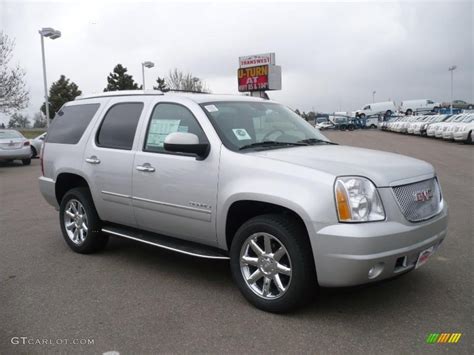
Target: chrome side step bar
{"x":168,"y":243}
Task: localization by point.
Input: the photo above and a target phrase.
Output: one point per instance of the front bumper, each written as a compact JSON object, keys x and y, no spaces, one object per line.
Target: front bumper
{"x":448,"y":135}
{"x":344,"y":253}
{"x":21,"y":153}
{"x":460,"y":136}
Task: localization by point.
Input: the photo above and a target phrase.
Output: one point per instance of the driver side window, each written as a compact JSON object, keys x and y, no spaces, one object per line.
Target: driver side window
{"x":168,"y":118}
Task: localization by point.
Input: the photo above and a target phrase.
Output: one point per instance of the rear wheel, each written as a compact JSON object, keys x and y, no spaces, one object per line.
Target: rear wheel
{"x":80,"y":224}
{"x":26,"y":161}
{"x":272,"y":263}
{"x":409,"y":111}
{"x":342,"y":127}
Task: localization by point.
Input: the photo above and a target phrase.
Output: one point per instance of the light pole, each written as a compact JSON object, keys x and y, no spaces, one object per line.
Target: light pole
{"x":451,"y":69}
{"x":373,"y":95}
{"x":53,"y":34}
{"x":146,"y":65}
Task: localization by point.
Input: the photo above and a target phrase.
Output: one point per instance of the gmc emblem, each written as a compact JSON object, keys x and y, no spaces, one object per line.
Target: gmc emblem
{"x":423,"y":196}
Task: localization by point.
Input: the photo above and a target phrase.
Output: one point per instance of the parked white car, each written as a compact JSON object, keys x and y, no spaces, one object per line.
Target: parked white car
{"x":434,"y":127}
{"x":415,"y":123}
{"x":463,"y":132}
{"x":461,"y":121}
{"x":37,"y":144}
{"x":421,"y":127}
{"x":444,"y":126}
{"x":421,"y":105}
{"x":377,"y":108}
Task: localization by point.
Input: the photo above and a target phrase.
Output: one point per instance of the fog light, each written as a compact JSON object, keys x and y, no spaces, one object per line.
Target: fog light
{"x":375,"y":271}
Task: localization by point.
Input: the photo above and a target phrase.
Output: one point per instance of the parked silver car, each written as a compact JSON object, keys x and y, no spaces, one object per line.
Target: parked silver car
{"x":14,"y":146}
{"x":239,"y":178}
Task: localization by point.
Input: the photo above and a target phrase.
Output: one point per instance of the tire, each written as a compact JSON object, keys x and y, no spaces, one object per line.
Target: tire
{"x":284,"y":233}
{"x":34,"y":154}
{"x":373,"y":126}
{"x":409,"y":111}
{"x":342,"y":127}
{"x":362,"y":115}
{"x":26,"y":161}
{"x":470,"y":107}
{"x":351,"y":127}
{"x":469,"y":138}
{"x":85,"y":241}
{"x":388,"y":113}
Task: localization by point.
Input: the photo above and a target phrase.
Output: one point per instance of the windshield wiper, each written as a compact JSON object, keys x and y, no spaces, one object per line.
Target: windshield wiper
{"x":315,"y":141}
{"x":272,"y":144}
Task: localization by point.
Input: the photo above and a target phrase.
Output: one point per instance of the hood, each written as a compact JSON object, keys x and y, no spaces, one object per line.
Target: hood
{"x":384,"y":169}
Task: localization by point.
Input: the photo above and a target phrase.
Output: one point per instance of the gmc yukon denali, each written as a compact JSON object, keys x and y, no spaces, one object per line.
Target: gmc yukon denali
{"x":239,"y":178}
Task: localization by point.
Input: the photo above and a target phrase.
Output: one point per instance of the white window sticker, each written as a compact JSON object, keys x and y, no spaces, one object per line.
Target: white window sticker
{"x":241,"y":134}
{"x":159,"y":129}
{"x":211,"y":108}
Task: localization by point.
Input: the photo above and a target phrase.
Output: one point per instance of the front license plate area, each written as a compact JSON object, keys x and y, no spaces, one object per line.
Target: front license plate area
{"x":424,"y":256}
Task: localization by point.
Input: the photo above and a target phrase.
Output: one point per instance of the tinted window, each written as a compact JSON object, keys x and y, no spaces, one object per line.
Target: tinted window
{"x":168,"y":118}
{"x":119,"y":125}
{"x":70,"y":123}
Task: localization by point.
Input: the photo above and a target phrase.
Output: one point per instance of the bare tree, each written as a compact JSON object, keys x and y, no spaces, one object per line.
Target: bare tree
{"x":177,"y":80}
{"x":39,"y":120}
{"x":14,"y":95}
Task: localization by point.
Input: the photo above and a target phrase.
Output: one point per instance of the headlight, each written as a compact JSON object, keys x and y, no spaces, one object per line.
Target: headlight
{"x":357,"y":200}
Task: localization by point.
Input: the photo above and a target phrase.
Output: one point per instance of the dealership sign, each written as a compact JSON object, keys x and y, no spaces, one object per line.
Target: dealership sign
{"x":258,"y":73}
{"x":257,"y":59}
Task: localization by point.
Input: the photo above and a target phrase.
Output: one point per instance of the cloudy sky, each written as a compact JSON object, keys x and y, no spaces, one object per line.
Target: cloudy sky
{"x":333,"y":54}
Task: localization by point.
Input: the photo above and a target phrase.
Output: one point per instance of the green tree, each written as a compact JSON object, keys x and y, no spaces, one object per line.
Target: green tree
{"x":17,"y":120}
{"x":60,"y":92}
{"x":161,"y":85}
{"x":120,"y":80}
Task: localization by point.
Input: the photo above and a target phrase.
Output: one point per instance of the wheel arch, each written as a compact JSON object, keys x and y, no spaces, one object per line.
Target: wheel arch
{"x":241,"y":210}
{"x":66,"y":181}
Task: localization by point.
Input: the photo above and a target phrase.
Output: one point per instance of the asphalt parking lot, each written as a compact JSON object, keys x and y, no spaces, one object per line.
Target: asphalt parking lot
{"x":134,"y":298}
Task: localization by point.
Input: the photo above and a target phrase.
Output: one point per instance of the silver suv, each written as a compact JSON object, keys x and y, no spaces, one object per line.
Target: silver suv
{"x":239,"y":178}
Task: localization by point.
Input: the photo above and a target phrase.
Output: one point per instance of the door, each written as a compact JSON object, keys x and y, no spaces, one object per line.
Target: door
{"x":109,"y":160}
{"x":175,"y":194}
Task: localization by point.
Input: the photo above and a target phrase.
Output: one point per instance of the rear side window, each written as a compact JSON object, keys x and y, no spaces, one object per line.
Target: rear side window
{"x":70,"y":123}
{"x":119,"y":125}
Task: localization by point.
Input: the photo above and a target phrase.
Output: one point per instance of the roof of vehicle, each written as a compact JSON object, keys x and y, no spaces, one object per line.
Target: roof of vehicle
{"x":196,"y":97}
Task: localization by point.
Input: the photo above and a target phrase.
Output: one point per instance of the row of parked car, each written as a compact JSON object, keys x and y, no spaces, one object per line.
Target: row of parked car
{"x":450,"y":127}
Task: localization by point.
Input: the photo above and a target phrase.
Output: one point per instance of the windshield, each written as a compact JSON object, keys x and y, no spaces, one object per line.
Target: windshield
{"x":10,"y":134}
{"x":243,"y":124}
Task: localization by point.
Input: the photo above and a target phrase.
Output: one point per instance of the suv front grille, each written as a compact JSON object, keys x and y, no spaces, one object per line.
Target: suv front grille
{"x":419,"y":201}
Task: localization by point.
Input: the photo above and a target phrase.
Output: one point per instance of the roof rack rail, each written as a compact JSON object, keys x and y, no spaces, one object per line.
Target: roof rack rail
{"x":120,"y":93}
{"x":188,"y":91}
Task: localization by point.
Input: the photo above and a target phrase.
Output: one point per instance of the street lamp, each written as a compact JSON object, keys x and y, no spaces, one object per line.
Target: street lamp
{"x":146,"y":65}
{"x":53,"y":34}
{"x":373,"y":95}
{"x":451,"y":69}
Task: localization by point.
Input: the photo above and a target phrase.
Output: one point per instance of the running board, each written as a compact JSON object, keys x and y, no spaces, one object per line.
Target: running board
{"x":168,"y":243}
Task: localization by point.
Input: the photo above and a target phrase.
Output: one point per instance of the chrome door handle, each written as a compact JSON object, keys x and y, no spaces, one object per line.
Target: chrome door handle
{"x":93,"y":160}
{"x":146,"y":168}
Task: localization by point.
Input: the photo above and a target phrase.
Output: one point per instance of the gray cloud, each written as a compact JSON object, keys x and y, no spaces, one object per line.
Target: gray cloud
{"x":333,"y":55}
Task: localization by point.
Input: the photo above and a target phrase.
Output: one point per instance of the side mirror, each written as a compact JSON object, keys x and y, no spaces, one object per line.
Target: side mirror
{"x":182,"y":142}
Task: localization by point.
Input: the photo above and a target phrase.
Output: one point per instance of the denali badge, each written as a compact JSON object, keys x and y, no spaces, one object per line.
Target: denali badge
{"x":423,"y":196}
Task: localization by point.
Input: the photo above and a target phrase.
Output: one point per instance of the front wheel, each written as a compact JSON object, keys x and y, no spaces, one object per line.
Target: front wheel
{"x":80,"y":224}
{"x":272,"y":263}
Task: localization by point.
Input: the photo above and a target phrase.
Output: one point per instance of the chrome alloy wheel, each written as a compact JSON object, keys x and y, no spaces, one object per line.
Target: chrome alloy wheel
{"x":75,"y":221}
{"x":265,"y":265}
